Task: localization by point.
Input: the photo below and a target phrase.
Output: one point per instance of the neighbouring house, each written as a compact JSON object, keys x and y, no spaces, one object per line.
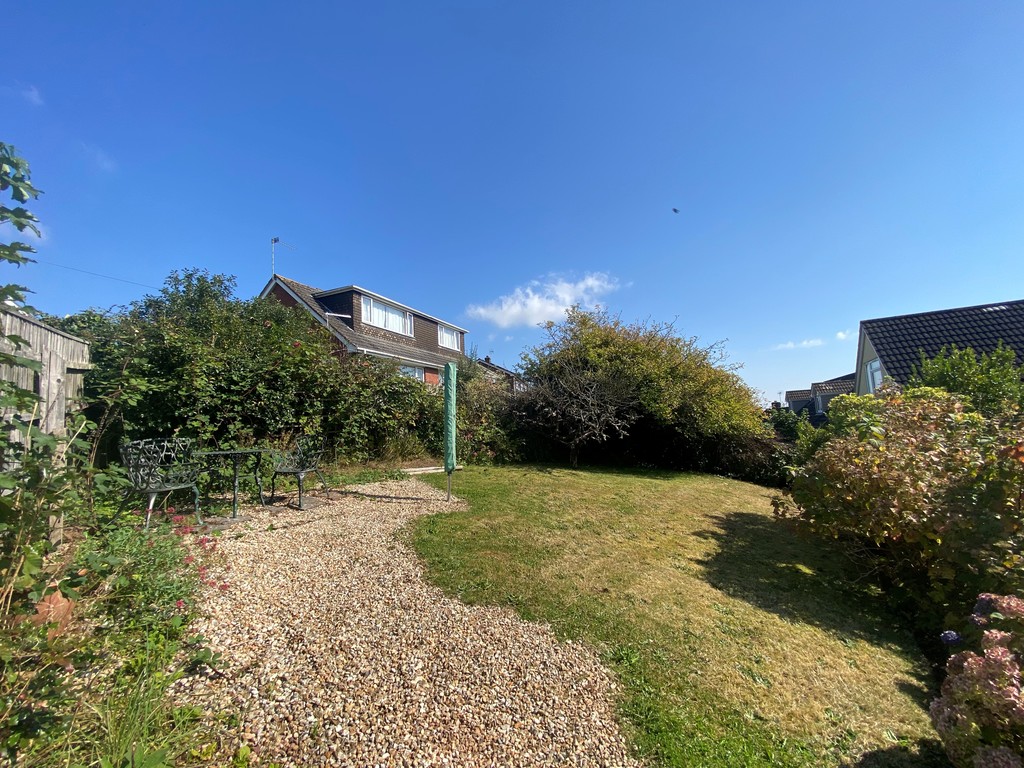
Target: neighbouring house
{"x":814,"y":401}
{"x":502,"y":375}
{"x":890,"y":347}
{"x":59,"y":381}
{"x":798,"y":400}
{"x":364,"y":322}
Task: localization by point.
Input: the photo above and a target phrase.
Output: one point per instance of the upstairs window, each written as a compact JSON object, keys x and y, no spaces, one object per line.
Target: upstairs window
{"x":447,"y":337}
{"x":874,"y":369}
{"x":387,"y":317}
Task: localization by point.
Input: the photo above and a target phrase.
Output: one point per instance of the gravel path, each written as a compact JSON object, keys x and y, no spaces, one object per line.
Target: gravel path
{"x":336,"y":652}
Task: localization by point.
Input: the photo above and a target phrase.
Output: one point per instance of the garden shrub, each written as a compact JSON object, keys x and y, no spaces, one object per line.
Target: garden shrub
{"x":991,"y":383}
{"x":619,"y":393}
{"x":486,"y":428}
{"x":927,"y":492}
{"x":196,"y":361}
{"x":980,"y":712}
{"x":785,"y":423}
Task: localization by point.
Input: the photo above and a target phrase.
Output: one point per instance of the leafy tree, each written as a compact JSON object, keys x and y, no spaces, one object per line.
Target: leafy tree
{"x":786,"y":423}
{"x":992,"y":382}
{"x":15,"y":179}
{"x":640,"y":391}
{"x":197,"y":361}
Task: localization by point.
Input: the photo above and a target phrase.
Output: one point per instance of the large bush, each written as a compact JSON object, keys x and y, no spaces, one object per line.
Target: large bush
{"x":927,"y":491}
{"x":196,"y":361}
{"x":639,"y":394}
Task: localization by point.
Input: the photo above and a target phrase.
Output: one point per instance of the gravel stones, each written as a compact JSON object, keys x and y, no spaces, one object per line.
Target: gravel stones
{"x":336,"y":652}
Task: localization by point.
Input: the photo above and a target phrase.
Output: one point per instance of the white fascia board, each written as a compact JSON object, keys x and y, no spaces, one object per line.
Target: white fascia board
{"x":401,"y":359}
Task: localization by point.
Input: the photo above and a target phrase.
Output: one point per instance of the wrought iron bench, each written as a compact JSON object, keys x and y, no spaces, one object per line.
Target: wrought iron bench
{"x":302,"y":460}
{"x":160,"y":465}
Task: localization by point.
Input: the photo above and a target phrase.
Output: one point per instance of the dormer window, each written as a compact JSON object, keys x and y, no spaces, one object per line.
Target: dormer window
{"x":385,"y":316}
{"x":447,"y":337}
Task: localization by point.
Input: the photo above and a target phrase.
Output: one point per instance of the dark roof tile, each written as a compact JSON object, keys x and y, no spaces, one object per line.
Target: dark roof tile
{"x":899,"y":341}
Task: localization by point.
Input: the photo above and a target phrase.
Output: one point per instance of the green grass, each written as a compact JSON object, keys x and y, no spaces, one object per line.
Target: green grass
{"x":737,"y":642}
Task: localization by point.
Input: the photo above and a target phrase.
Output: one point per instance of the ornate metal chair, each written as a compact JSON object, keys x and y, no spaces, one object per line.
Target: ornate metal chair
{"x":160,"y":465}
{"x":303,"y":459}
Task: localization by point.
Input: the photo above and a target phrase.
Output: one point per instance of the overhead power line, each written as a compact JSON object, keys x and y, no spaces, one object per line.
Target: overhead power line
{"x":94,"y":274}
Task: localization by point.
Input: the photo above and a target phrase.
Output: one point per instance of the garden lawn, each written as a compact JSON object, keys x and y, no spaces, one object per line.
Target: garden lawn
{"x":737,"y":642}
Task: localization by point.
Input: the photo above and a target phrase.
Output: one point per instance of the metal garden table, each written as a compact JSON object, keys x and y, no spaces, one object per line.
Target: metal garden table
{"x":238,"y":457}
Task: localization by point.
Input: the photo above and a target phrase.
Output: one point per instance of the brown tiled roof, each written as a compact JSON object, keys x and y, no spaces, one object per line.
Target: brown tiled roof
{"x":899,"y":341}
{"x":798,"y":394}
{"x":362,"y":342}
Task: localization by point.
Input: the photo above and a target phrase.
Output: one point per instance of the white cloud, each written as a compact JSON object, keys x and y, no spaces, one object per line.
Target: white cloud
{"x":543,"y":300}
{"x":843,"y":335}
{"x":103,"y":161}
{"x":510,"y":338}
{"x":805,"y":344}
{"x":32,"y":95}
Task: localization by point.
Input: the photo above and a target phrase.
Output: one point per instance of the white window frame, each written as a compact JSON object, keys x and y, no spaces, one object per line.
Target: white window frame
{"x":440,"y":337}
{"x":873,"y":368}
{"x":413,"y":372}
{"x":368,"y":306}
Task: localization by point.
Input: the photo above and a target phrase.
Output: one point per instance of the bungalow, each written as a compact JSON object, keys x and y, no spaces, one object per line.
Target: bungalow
{"x":814,"y":401}
{"x":890,"y":347}
{"x":501,"y":375}
{"x":365,"y":322}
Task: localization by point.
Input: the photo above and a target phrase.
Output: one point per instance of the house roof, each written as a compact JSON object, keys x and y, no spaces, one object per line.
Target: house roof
{"x":900,"y":340}
{"x":353,"y":339}
{"x":487,"y":363}
{"x":841,"y":385}
{"x":400,"y":305}
{"x":798,"y":394}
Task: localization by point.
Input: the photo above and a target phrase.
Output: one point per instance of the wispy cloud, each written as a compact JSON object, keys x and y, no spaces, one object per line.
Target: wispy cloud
{"x":543,"y":300}
{"x":843,"y":335}
{"x":101,"y":159}
{"x":805,"y":344}
{"x":32,"y":95}
{"x":28,"y":93}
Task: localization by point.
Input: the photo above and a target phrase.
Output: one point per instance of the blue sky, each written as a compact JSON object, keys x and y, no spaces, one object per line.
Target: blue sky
{"x":490,"y":161}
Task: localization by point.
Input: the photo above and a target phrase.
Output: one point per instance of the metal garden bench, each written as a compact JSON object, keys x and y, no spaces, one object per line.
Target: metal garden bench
{"x":160,"y":465}
{"x":302,"y":460}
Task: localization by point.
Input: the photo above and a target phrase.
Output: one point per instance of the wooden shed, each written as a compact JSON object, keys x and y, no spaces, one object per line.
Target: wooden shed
{"x":64,"y":359}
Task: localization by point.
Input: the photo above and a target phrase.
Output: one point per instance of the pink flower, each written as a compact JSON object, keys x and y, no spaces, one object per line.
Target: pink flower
{"x":224,"y":587}
{"x":993,"y":638}
{"x":180,"y":604}
{"x":190,"y":559}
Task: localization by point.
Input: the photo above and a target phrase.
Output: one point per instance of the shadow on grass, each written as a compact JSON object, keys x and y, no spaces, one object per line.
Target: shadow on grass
{"x":596,"y":469}
{"x":928,"y":753}
{"x":764,"y":562}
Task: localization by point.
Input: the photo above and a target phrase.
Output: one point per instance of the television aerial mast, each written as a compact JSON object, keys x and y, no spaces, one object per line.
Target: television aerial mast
{"x":274,"y":241}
